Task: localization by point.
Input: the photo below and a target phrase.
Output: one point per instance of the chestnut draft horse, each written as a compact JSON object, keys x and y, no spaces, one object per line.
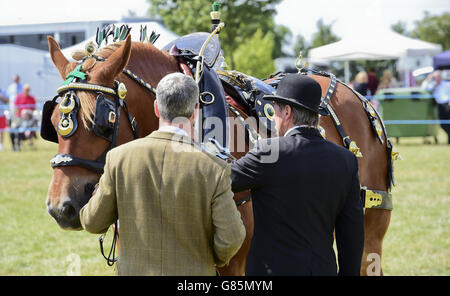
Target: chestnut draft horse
{"x":76,"y":166}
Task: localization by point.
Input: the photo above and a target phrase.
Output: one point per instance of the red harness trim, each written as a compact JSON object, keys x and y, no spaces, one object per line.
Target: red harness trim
{"x":185,"y":68}
{"x":235,"y":104}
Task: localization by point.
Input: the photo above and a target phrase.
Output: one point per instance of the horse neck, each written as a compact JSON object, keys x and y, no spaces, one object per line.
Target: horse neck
{"x":151,"y":65}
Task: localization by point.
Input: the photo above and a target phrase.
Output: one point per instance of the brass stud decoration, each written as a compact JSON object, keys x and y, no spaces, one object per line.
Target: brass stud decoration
{"x":122,"y":91}
{"x":269,"y":111}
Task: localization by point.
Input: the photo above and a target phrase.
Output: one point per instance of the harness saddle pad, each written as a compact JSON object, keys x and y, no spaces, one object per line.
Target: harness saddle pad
{"x":192,"y":43}
{"x":216,"y":110}
{"x":249,"y":93}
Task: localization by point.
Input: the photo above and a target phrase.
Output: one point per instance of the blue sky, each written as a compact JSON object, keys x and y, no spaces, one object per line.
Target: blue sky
{"x":354,"y":16}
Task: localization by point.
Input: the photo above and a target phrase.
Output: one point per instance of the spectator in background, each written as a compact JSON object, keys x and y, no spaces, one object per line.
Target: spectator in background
{"x":372,"y":81}
{"x":27,"y":123}
{"x":361,"y":83}
{"x":3,"y":105}
{"x":387,"y":80}
{"x":14,"y":89}
{"x":441,"y":92}
{"x":24,"y":101}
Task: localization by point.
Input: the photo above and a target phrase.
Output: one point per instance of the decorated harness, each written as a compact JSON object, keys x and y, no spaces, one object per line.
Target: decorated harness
{"x":370,"y":198}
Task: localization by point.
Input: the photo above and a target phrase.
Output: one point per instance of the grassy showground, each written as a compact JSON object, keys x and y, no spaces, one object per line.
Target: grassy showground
{"x":31,"y":243}
{"x":418,"y":238}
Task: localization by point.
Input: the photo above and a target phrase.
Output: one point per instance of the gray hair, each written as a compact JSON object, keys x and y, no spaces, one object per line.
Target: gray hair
{"x":302,"y":116}
{"x":176,"y":94}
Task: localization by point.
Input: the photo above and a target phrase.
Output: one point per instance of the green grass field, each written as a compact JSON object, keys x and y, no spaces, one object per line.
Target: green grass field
{"x":31,"y":243}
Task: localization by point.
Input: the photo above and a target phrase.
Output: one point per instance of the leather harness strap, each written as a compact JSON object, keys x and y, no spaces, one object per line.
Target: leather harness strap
{"x":370,"y":198}
{"x":326,"y":104}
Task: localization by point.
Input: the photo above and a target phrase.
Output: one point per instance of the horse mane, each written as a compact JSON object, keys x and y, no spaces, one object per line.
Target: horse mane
{"x":87,"y":104}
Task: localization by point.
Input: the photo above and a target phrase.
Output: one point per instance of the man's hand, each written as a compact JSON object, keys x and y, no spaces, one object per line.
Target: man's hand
{"x":95,"y":189}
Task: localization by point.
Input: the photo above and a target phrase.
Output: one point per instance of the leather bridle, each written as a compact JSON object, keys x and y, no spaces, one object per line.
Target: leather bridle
{"x":105,"y":126}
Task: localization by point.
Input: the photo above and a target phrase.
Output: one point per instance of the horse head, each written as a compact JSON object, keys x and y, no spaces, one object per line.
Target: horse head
{"x":83,"y":139}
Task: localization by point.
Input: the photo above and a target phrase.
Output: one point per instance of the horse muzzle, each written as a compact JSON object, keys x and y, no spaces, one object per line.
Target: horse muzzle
{"x":66,"y":215}
{"x":67,"y":211}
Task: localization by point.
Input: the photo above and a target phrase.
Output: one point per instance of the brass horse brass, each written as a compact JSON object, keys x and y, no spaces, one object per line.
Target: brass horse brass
{"x":65,"y":125}
{"x":67,"y":104}
{"x":66,"y":107}
{"x":269,"y":111}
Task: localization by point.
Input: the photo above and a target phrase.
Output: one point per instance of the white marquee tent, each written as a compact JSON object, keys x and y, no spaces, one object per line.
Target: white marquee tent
{"x":373,"y":44}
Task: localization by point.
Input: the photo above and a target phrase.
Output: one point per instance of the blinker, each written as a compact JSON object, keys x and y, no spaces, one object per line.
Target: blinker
{"x":105,"y":118}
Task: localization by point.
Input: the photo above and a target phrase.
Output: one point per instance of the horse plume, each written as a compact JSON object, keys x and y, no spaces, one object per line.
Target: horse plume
{"x":117,"y":34}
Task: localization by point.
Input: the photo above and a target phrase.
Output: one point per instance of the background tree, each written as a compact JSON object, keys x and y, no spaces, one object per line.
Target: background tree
{"x":253,"y":56}
{"x":242,"y":20}
{"x":282,"y":36}
{"x":301,"y":44}
{"x":324,"y":35}
{"x":433,"y":28}
{"x":400,"y":27}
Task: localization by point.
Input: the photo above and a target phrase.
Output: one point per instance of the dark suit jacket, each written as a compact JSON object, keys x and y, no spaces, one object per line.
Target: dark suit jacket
{"x":311,"y":190}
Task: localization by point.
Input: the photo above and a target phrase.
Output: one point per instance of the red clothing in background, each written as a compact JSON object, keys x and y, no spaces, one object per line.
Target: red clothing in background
{"x":373,"y":82}
{"x":3,"y":122}
{"x":21,"y":100}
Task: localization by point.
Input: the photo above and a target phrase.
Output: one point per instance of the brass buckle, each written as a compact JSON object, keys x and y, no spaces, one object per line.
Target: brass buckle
{"x":204,"y":94}
{"x":372,"y":199}
{"x":112,"y":117}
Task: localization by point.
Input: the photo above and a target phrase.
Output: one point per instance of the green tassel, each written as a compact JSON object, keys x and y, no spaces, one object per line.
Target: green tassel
{"x":117,"y":34}
{"x":154,"y":37}
{"x":216,"y":6}
{"x":143,"y":34}
{"x":99,"y":38}
{"x":76,"y":73}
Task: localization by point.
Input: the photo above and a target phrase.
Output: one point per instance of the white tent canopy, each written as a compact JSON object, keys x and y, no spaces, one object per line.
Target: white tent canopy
{"x":373,"y":44}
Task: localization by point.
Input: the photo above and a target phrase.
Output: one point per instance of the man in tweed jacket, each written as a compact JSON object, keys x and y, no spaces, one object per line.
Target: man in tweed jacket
{"x":174,"y":201}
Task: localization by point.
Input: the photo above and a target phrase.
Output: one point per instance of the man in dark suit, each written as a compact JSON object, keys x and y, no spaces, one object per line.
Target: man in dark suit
{"x":310,"y":189}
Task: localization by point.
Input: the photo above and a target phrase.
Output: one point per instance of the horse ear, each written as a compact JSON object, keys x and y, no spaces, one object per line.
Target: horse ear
{"x":116,"y":62}
{"x":57,"y":56}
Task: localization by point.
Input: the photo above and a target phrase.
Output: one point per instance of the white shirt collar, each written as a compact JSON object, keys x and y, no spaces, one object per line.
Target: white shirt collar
{"x":291,"y":129}
{"x":173,"y":129}
{"x":294,"y":127}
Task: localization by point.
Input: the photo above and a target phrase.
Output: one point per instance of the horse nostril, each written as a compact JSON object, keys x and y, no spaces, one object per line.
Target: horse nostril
{"x":68,"y":210}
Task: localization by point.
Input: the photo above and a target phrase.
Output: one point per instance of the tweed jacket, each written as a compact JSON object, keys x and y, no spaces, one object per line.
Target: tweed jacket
{"x":174,"y":204}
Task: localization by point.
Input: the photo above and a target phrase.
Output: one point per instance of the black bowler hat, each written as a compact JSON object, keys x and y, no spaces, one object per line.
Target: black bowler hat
{"x":299,"y":90}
